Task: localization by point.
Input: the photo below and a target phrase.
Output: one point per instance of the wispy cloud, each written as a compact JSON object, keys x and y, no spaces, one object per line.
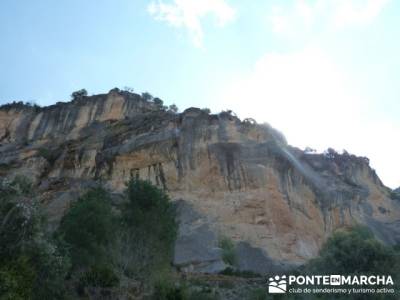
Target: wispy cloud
{"x":188,"y":14}
{"x":302,"y":15}
{"x":301,"y":93}
{"x":350,"y":13}
{"x":315,"y":103}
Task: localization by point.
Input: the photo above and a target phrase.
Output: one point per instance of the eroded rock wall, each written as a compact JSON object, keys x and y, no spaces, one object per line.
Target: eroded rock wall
{"x":230,"y":178}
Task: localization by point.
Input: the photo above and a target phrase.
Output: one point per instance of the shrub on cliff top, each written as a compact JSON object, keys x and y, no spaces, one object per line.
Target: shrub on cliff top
{"x":173,"y":108}
{"x":79,"y":94}
{"x":395,"y":194}
{"x":147,"y":96}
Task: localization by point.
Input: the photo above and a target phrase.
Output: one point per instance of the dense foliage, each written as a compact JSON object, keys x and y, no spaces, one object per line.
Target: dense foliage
{"x":99,"y":245}
{"x":150,"y":227}
{"x":356,"y":251}
{"x":88,"y":228}
{"x":31,"y":265}
{"x":349,"y":251}
{"x":110,"y":244}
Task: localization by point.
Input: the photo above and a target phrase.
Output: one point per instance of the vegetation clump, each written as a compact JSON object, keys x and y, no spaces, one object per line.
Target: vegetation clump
{"x":88,"y":229}
{"x":98,"y":245}
{"x":79,"y":94}
{"x":148,"y":217}
{"x":111,"y":243}
{"x":395,"y":194}
{"x":228,"y":251}
{"x":355,"y":251}
{"x":51,"y":155}
{"x":173,"y":108}
{"x":32,"y":266}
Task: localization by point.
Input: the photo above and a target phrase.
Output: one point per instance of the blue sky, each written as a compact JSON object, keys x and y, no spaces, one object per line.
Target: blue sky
{"x":324,"y":72}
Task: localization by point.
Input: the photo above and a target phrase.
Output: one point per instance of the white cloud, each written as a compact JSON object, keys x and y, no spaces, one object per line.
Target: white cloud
{"x":289,"y":20}
{"x":349,"y":13}
{"x":305,"y":15}
{"x":295,"y":92}
{"x":189,"y":13}
{"x":313,"y":102}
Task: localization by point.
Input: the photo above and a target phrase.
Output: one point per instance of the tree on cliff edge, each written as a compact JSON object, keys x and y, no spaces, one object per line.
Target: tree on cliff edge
{"x":79,"y":94}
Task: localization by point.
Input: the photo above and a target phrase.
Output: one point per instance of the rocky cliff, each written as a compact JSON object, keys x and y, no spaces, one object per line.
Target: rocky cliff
{"x":229,"y":178}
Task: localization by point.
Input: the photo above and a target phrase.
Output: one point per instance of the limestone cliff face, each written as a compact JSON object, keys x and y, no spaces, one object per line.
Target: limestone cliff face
{"x":229,"y":178}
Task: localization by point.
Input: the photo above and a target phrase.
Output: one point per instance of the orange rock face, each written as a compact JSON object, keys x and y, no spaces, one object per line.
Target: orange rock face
{"x":240,"y":180}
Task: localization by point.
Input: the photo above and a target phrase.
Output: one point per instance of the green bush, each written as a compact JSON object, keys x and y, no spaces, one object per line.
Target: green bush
{"x":206,"y":110}
{"x":228,"y":251}
{"x":20,"y":221}
{"x":51,"y":265}
{"x":173,"y":108}
{"x":31,"y":265}
{"x":17,"y":228}
{"x":96,"y":243}
{"x":79,"y":94}
{"x":395,"y":195}
{"x":149,"y":224}
{"x":88,"y":228}
{"x":135,"y":241}
{"x":22,"y":185}
{"x":50,"y":155}
{"x":17,"y":279}
{"x":147,"y":96}
{"x":99,"y":276}
{"x":355,"y":251}
{"x":167,"y":290}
